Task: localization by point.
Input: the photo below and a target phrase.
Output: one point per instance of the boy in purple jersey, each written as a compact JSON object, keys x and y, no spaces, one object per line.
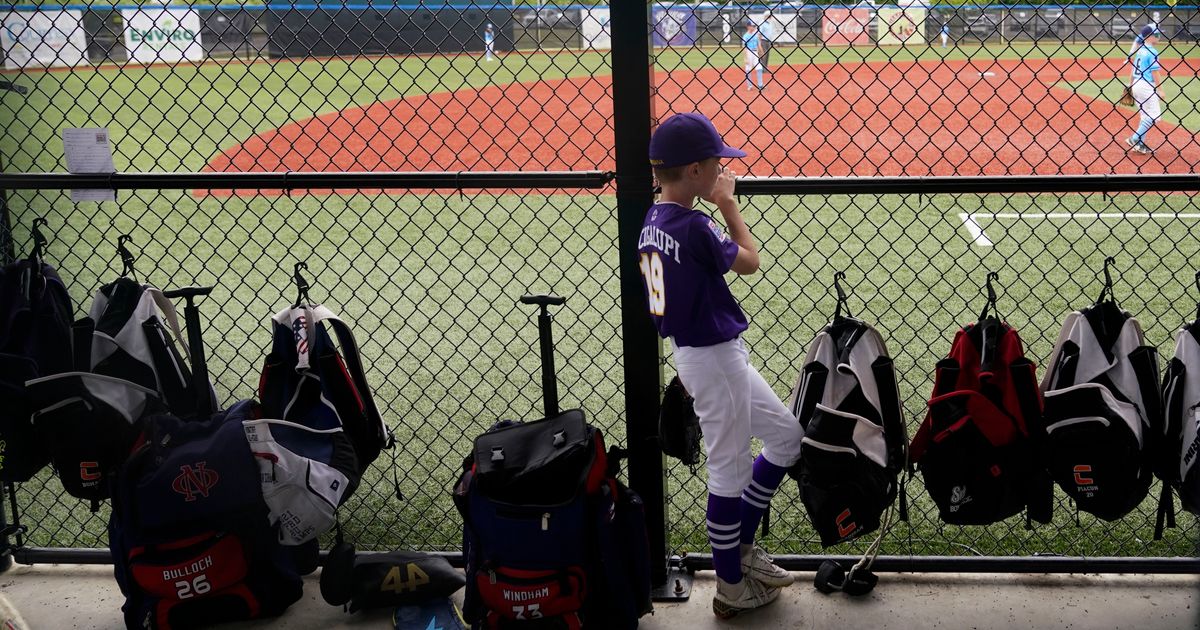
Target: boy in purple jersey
{"x":684,"y":256}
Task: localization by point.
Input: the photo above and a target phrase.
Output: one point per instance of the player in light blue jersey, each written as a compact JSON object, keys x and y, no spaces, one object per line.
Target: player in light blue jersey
{"x":751,"y":42}
{"x":489,"y":42}
{"x":1145,"y":90}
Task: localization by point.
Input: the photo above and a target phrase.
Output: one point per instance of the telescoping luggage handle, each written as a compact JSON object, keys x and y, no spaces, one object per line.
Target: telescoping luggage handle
{"x":191,"y":317}
{"x":545,"y":339}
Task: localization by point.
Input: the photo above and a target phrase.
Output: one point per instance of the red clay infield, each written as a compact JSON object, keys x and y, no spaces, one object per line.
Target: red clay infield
{"x":864,"y":119}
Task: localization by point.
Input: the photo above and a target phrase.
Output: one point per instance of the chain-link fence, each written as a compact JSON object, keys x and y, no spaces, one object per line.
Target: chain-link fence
{"x":429,"y":276}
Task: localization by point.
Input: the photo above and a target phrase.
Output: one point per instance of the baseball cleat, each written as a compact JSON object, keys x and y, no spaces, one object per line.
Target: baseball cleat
{"x":1131,"y":143}
{"x":732,"y":600}
{"x":1143,"y":149}
{"x":758,"y":565}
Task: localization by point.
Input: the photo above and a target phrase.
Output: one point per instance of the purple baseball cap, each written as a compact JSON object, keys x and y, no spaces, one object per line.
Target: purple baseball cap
{"x":686,"y":138}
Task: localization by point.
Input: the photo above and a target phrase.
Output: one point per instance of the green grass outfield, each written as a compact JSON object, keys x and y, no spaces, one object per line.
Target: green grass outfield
{"x":430,"y":281}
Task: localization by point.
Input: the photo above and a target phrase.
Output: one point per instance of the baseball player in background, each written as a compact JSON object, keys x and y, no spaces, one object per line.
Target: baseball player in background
{"x":751,"y":43}
{"x":725,"y":28}
{"x":766,"y":32}
{"x":1145,"y":89}
{"x":489,"y":42}
{"x":945,"y":33}
{"x":684,"y":256}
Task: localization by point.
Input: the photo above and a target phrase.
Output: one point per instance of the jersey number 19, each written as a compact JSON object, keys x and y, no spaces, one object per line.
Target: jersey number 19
{"x":652,"y":270}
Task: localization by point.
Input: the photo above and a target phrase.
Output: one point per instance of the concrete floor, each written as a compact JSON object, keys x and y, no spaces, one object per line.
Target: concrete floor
{"x":75,"y":596}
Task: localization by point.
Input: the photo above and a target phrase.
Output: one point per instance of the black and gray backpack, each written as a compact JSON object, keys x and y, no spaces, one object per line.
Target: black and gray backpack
{"x":132,"y":332}
{"x":853,"y":449}
{"x":1179,"y":444}
{"x":35,"y":341}
{"x":1103,"y":410}
{"x":854,"y":445}
{"x":129,"y":362}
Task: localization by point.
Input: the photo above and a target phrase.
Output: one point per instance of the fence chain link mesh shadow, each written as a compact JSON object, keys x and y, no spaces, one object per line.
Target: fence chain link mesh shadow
{"x":429,"y":279}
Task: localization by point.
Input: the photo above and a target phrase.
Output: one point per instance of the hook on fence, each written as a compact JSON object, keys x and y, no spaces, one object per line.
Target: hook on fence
{"x":301,"y":285}
{"x":39,"y":241}
{"x":126,"y":256}
{"x":842,"y":301}
{"x":991,"y":297}
{"x":1107,"y":291}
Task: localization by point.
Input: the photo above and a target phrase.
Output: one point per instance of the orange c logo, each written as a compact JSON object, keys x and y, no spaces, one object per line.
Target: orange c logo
{"x":85,"y":472}
{"x":1079,"y":478}
{"x":845,"y":529}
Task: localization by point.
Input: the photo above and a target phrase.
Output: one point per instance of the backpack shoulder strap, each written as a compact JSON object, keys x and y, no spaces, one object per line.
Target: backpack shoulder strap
{"x":312,"y":315}
{"x":350,"y":354}
{"x":172,"y":320}
{"x":1063,"y":336}
{"x":1142,"y":364}
{"x":1023,"y":377}
{"x":12,"y":297}
{"x":891,"y":412}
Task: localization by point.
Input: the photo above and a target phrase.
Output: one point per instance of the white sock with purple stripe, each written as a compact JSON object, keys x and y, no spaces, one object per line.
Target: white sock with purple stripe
{"x":724,"y":534}
{"x":764,"y":481}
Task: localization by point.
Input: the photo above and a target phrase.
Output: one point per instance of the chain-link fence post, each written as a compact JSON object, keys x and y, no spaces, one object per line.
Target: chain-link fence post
{"x":6,"y":547}
{"x":7,"y":250}
{"x":641,"y":348}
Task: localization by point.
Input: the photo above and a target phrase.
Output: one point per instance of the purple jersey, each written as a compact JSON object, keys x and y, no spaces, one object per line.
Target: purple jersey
{"x":684,"y":256}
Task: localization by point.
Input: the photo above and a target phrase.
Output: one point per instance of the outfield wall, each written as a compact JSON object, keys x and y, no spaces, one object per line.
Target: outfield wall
{"x":131,"y":34}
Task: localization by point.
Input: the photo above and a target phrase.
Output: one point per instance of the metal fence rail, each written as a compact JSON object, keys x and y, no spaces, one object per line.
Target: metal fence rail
{"x":426,"y":192}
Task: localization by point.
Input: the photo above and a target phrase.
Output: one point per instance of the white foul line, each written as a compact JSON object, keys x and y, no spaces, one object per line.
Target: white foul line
{"x":980,"y":238}
{"x":977,"y":235}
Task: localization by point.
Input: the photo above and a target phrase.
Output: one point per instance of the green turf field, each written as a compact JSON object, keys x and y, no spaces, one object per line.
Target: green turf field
{"x":430,"y":281}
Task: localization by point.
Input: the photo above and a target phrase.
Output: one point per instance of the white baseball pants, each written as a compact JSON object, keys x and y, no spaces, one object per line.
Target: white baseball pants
{"x":1147,"y":100}
{"x":751,"y":60}
{"x":733,"y":403}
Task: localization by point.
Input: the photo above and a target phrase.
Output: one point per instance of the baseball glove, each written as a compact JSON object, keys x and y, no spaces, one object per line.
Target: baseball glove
{"x":1126,"y":97}
{"x":678,"y":427}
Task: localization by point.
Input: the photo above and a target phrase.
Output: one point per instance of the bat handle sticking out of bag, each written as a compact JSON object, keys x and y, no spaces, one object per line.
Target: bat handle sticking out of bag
{"x":546,"y":340}
{"x":191,"y":316}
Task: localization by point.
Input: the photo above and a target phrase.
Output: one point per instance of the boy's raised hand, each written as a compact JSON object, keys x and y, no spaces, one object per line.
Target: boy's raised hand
{"x":722,"y":192}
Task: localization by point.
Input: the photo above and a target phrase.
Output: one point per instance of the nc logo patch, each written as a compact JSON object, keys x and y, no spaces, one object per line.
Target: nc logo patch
{"x":195,"y":481}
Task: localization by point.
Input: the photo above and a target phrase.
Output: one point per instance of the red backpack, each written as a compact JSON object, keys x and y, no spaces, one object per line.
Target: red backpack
{"x":977,"y":447}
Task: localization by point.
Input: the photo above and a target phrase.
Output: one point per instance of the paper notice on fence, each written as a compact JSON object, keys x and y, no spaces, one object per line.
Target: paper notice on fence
{"x":88,"y":151}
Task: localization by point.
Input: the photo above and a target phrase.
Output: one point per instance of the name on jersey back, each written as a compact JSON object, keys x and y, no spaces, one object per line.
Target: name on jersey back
{"x":665,"y":243}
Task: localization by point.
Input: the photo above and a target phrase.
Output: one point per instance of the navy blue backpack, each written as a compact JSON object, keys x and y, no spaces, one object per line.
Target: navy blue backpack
{"x":308,"y":380}
{"x":551,"y":538}
{"x":189,"y":533}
